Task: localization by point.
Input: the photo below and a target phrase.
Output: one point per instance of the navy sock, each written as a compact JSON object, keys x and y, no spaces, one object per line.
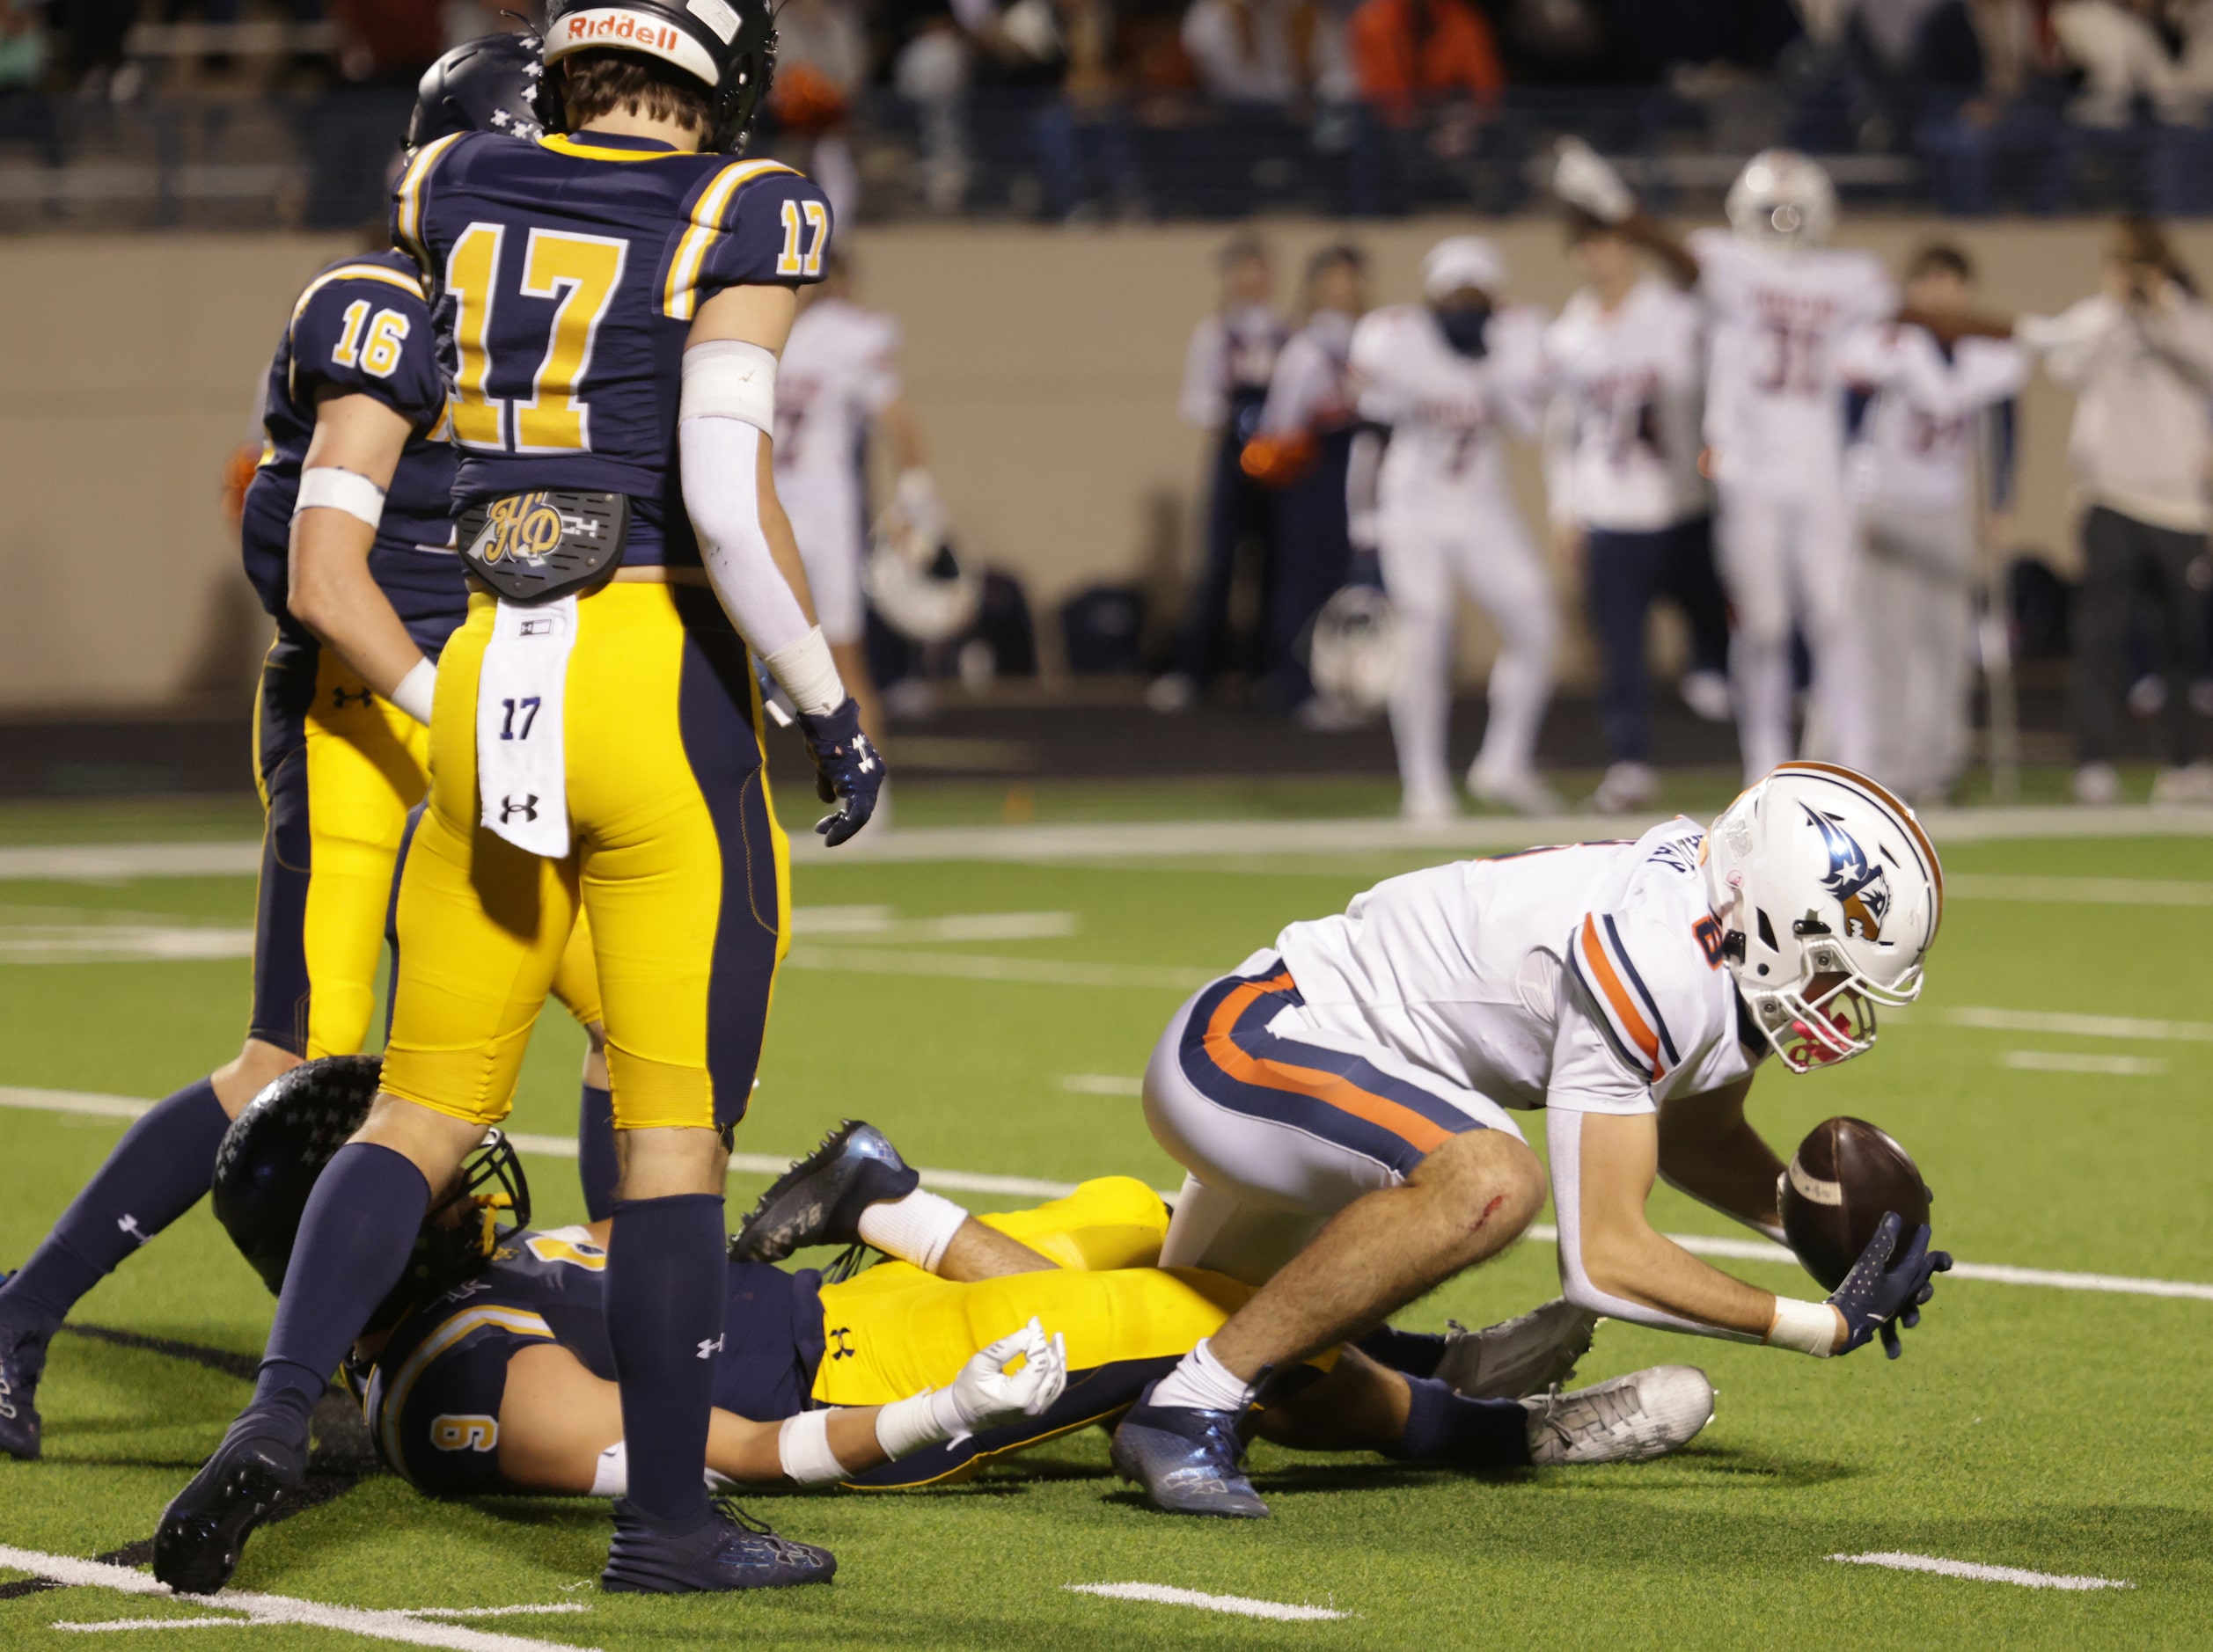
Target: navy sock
{"x":355,"y":1239}
{"x":596,"y":1151}
{"x":1446,"y":1427}
{"x":158,"y":1172}
{"x":665,"y":1282}
{"x":1415,"y":1352}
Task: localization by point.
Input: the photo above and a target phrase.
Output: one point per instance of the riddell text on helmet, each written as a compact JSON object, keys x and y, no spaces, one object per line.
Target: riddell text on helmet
{"x":621,"y":26}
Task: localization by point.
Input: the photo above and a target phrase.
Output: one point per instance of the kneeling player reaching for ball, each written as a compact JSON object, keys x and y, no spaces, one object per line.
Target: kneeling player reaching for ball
{"x":1340,"y":1101}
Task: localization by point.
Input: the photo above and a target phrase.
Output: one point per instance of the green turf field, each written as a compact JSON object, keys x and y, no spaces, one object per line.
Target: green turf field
{"x":2056,"y":1430}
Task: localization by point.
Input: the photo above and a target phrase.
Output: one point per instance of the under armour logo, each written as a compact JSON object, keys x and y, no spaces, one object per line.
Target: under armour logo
{"x":128,"y":1224}
{"x":844,"y":1350}
{"x":341,"y":699}
{"x":708,"y":1350}
{"x":510,"y":809}
{"x":866,"y":753}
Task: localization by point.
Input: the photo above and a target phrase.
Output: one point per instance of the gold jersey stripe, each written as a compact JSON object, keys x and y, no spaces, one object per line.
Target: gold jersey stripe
{"x":560,"y":144}
{"x":407,"y":223}
{"x":681,"y":297}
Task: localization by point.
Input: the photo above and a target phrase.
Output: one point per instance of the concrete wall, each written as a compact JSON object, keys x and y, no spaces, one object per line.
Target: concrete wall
{"x":1044,"y":365}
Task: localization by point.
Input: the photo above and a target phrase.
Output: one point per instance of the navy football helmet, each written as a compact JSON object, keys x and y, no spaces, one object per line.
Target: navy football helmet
{"x":728,"y":46}
{"x":275,"y":1149}
{"x":485,"y":85}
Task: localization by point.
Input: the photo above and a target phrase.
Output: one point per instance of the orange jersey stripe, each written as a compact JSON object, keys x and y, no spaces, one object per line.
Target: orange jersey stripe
{"x":1601,"y":968}
{"x":1341,"y":1093}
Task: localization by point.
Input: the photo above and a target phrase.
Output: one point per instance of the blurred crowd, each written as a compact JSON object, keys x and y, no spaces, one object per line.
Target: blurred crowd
{"x":1864,"y":573}
{"x":1081,"y":109}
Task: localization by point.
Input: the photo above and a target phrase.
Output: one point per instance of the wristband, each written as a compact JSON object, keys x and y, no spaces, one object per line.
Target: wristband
{"x":1804,"y":1328}
{"x":803,"y":1450}
{"x":417,"y":691}
{"x":340,"y":490}
{"x":806,"y":672}
{"x":905,"y":1426}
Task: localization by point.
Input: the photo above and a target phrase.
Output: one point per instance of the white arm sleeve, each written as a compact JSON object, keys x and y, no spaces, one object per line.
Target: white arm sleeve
{"x":1564,"y":1143}
{"x":721,"y":494}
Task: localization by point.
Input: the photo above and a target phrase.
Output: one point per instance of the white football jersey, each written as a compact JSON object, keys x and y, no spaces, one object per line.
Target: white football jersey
{"x":1632,"y":381}
{"x":1587,"y":976}
{"x":1311,"y":388}
{"x":1775,"y":414}
{"x":1915,"y":446}
{"x":1448,"y":412}
{"x":840,"y":369}
{"x":1231,"y":358}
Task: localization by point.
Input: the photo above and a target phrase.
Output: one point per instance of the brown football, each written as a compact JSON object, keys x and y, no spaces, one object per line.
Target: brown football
{"x":1844,"y":1178}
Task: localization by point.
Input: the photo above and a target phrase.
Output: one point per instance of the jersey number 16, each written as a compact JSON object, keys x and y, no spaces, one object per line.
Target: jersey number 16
{"x":580,"y":274}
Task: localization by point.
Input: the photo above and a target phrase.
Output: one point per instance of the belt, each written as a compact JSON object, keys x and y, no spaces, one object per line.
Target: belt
{"x":627,"y":575}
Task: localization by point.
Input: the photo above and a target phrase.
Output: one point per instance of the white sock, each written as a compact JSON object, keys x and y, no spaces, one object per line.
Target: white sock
{"x":1202,"y":1383}
{"x":916,"y":1229}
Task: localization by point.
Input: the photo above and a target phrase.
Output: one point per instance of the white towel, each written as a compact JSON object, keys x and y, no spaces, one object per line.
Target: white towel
{"x":521,"y":775}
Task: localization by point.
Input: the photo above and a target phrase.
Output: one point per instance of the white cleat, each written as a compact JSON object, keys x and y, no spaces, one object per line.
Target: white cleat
{"x":1646,"y":1413}
{"x":1517,"y":789}
{"x":1424,"y":808}
{"x":1524,"y":1355}
{"x":1627,"y":786}
{"x":1707,"y":694}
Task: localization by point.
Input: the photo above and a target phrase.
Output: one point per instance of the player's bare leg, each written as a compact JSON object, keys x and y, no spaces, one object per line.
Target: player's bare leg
{"x":1465,"y":1201}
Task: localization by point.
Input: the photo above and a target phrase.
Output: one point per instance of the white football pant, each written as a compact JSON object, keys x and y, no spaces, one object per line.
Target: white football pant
{"x":1916,"y":574}
{"x":1424,"y":556}
{"x":1786,"y":557}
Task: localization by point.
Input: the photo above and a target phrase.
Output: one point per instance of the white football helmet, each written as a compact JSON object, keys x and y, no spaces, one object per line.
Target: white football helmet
{"x":1829,"y":894}
{"x":1353,"y":653}
{"x":1782,"y":198}
{"x":924,"y":591}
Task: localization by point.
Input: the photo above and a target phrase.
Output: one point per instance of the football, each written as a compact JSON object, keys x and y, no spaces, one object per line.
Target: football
{"x":1844,"y":1178}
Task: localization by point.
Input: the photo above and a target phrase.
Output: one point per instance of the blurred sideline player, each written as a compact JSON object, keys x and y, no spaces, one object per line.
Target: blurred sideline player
{"x":1226,"y":367}
{"x":485,"y":1372}
{"x":1627,"y":357}
{"x":1443,"y":380}
{"x":1340,"y":1101}
{"x":840,"y":377}
{"x":1779,"y":302}
{"x":348,"y":537}
{"x":1933,"y":443}
{"x":1300,"y":446}
{"x":607,"y":299}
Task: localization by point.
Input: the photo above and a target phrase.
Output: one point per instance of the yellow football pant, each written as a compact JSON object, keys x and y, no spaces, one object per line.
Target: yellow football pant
{"x":677,"y":861}
{"x":895,"y":1329}
{"x":339,"y":769}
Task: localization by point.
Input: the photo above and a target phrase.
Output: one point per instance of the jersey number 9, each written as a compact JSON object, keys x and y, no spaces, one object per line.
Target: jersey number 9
{"x":580,"y":274}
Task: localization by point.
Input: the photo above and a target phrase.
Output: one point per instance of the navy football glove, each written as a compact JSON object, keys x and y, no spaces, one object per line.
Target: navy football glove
{"x":847,"y":770}
{"x":1879,"y":1295}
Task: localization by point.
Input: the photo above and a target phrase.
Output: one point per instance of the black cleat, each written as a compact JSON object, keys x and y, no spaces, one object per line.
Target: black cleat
{"x":22,"y":1361}
{"x":1188,"y":1461}
{"x":728,"y":1550}
{"x":261,"y":1462}
{"x":819,"y":1199}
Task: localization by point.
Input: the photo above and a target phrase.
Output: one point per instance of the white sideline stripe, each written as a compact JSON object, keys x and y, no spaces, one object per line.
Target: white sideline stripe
{"x":1743,"y":1250}
{"x":1145,"y":839}
{"x":493,"y":1612}
{"x":279,"y":1609}
{"x":1102,"y":1084}
{"x":2081,"y":1026}
{"x":1980,"y":1574}
{"x":1238,"y":1604}
{"x":121,"y":943}
{"x":2071,"y":1061}
{"x":1979,"y":886}
{"x":155,"y":1623}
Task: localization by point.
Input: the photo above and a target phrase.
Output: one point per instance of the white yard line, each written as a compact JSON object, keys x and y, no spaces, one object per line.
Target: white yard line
{"x":121,"y":943}
{"x":274,"y":1609}
{"x":1155,"y":839}
{"x":2073,"y":1061}
{"x":1982,"y":886}
{"x":1980,"y":1574}
{"x":1102,"y":1084}
{"x":1238,"y":1605}
{"x":1990,"y":1020}
{"x":1743,"y":1250}
{"x":957,"y":966}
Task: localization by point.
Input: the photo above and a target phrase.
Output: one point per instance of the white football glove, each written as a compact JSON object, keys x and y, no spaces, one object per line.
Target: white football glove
{"x":1583,"y":178}
{"x":914,"y":502}
{"x":987,"y":1395}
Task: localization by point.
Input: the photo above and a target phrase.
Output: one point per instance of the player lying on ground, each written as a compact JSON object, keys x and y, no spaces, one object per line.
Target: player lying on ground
{"x":488,"y":1373}
{"x":346,"y":535}
{"x":1340,"y":1101}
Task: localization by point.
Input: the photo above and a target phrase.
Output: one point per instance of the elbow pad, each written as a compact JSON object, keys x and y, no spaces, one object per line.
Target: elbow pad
{"x":729,"y":378}
{"x":1564,"y":1140}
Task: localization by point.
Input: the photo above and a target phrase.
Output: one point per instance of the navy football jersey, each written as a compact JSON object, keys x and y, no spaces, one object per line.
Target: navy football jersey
{"x":564,"y":277}
{"x":431,"y":1396}
{"x":364,"y":326}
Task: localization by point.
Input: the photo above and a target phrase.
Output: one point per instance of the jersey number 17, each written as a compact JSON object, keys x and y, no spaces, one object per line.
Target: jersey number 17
{"x":580,"y":274}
